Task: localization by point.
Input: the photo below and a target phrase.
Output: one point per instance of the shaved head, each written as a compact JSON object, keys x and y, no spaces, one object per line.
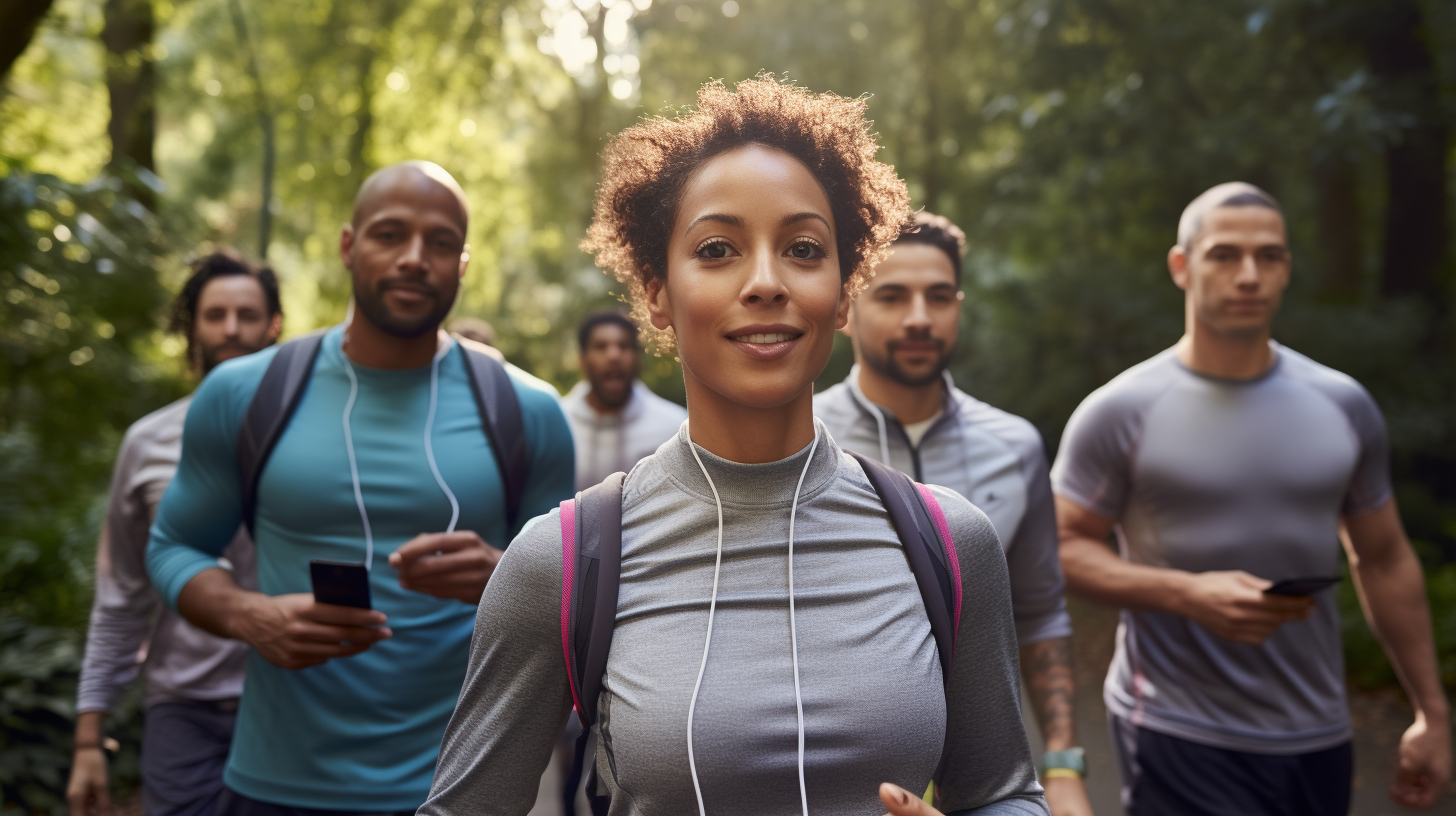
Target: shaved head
{"x":1228,"y":194}
{"x":414,"y":176}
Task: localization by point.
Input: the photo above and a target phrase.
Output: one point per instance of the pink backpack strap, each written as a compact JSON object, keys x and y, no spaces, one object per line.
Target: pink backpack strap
{"x":942,"y":530}
{"x":568,"y":581}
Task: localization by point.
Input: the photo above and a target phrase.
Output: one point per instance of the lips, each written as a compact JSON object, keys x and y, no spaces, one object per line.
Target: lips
{"x":766,"y":343}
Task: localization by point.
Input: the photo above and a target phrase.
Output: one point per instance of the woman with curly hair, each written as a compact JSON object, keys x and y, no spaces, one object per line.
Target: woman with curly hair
{"x":771,"y":651}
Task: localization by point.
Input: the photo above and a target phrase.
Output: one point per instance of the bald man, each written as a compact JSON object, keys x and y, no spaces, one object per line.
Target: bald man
{"x":1232,"y":469}
{"x":343,"y":708}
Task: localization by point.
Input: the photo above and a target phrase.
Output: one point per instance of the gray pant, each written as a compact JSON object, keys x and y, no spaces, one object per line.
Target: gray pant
{"x":184,"y":750}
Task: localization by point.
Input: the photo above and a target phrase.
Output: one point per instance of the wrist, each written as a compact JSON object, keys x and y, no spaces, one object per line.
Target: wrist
{"x":1178,"y":597}
{"x":241,"y":620}
{"x":1069,"y":763}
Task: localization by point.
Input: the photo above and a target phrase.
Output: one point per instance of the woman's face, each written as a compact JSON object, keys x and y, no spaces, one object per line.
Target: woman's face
{"x":753,"y":292}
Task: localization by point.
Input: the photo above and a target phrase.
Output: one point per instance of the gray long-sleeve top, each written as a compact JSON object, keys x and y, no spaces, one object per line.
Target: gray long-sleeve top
{"x":182,"y":661}
{"x":875,"y":707}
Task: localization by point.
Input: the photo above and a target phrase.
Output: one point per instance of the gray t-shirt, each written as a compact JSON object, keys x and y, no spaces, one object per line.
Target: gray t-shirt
{"x":875,"y":708}
{"x":1203,"y":473}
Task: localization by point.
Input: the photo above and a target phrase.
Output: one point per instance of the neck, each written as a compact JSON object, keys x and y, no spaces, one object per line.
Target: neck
{"x":1231,"y":356}
{"x":368,"y":346}
{"x":750,"y":436}
{"x":909,"y":403}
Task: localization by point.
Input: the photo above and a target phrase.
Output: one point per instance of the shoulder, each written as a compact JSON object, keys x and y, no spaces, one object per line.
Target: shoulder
{"x":1340,"y":388}
{"x":227,"y":391}
{"x":531,"y":566}
{"x":163,"y":423}
{"x":975,"y":537}
{"x":1015,"y":432}
{"x":1127,"y":396}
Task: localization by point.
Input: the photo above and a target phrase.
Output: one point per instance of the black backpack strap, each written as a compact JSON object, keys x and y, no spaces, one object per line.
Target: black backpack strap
{"x":500,"y":416}
{"x":931,"y":557}
{"x":268,"y":414}
{"x":592,"y":571}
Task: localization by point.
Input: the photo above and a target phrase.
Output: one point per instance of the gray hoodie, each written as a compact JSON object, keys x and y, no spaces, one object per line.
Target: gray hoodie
{"x":875,"y":707}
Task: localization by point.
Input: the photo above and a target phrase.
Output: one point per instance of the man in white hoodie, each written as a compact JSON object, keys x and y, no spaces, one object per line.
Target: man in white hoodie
{"x":615,"y":419}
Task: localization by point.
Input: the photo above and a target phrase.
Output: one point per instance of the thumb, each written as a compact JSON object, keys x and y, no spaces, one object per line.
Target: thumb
{"x":904,"y":803}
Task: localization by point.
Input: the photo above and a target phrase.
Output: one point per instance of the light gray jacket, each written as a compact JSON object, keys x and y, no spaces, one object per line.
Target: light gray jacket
{"x":992,"y":458}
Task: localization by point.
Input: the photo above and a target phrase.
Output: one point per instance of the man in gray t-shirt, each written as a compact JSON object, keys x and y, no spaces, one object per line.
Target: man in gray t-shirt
{"x":1228,"y":464}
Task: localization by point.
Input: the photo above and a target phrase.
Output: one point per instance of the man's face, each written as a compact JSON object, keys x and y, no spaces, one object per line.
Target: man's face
{"x":610,"y":363}
{"x":407,"y":255}
{"x":1235,"y":270}
{"x":232,"y":320}
{"x":906,"y":324}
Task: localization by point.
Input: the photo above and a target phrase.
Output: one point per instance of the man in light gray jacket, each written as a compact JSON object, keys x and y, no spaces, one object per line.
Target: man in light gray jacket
{"x":615,"y":419}
{"x":227,"y":309}
{"x":900,"y":406}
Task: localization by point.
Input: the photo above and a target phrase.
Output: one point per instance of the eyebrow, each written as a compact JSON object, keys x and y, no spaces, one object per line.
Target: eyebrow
{"x":803,"y":216}
{"x":722,"y":218}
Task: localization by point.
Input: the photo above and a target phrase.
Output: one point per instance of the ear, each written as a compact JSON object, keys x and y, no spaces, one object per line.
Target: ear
{"x":346,"y":246}
{"x":841,"y":314}
{"x":659,"y":306}
{"x":464,"y":261}
{"x":1178,"y":266}
{"x":275,"y":328}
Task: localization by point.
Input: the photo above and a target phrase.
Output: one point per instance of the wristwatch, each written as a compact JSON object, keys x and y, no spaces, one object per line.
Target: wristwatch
{"x":1070,"y":764}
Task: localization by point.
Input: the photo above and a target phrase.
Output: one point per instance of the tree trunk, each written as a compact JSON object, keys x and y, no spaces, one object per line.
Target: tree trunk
{"x":1337,"y":210}
{"x":18,"y":22}
{"x":1415,"y":159}
{"x":131,"y":84}
{"x":265,"y":121}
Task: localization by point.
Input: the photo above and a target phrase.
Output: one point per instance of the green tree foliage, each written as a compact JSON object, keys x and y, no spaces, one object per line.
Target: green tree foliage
{"x":1065,"y":136}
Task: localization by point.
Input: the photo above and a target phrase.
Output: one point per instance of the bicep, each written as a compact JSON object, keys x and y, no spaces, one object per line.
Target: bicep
{"x":1076,"y":521}
{"x":1375,"y":537}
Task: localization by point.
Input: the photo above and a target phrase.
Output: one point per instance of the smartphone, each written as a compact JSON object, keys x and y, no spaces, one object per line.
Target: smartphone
{"x":340,"y":583}
{"x":1301,"y":586}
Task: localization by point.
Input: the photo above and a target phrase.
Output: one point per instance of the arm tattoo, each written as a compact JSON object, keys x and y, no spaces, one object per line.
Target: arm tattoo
{"x":1046,"y":667}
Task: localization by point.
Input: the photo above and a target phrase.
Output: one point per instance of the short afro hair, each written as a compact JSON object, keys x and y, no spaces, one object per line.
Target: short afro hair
{"x":646,"y":167}
{"x":938,"y":231}
{"x":607,"y":318}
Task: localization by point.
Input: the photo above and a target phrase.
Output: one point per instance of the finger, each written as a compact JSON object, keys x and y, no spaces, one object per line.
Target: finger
{"x":475,"y":560}
{"x":428,"y":543}
{"x":1285,"y":604}
{"x":334,"y":615}
{"x":315,"y":633}
{"x":902,"y":802}
{"x":319,"y":652}
{"x":1253,"y":581}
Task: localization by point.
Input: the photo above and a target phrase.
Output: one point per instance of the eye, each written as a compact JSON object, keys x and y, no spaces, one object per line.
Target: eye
{"x":714,"y":249}
{"x":806,"y":249}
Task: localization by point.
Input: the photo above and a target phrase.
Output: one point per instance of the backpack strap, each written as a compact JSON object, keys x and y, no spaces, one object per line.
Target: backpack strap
{"x":500,"y":416}
{"x":268,"y":414}
{"x":591,"y":561}
{"x":925,"y":535}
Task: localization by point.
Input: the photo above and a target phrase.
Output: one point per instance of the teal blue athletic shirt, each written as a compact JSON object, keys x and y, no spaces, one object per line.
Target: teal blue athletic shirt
{"x":359,"y":733}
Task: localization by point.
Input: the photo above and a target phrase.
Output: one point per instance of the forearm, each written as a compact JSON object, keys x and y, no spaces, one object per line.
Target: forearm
{"x":90,"y":729}
{"x":213,"y":602}
{"x":1393,"y":593}
{"x":1046,"y":668}
{"x":1094,"y":572}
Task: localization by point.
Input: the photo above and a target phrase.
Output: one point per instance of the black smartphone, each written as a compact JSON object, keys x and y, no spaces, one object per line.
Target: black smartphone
{"x":1301,"y":586}
{"x":340,"y":583}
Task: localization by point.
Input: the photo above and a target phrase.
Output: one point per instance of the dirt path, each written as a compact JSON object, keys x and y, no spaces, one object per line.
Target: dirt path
{"x":1379,"y":718}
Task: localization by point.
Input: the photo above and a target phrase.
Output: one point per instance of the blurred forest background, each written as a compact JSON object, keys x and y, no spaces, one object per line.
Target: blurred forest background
{"x":1065,"y":136}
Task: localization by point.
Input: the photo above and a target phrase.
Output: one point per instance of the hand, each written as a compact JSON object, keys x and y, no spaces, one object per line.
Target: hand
{"x":1233,"y":605}
{"x":295,"y":631}
{"x":904,"y":803}
{"x":88,"y":791}
{"x":1425,"y":764}
{"x":447,"y":565}
{"x":1067,"y":796}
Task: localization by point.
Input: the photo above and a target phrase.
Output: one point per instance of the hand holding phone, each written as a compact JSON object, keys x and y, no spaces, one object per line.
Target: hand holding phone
{"x":1301,"y":586}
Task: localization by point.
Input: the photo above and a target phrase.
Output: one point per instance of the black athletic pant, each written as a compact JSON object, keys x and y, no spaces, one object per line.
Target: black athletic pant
{"x":1168,"y":776}
{"x":233,"y":803}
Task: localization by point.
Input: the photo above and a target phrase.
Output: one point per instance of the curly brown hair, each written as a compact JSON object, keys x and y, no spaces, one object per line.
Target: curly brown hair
{"x":646,"y":167}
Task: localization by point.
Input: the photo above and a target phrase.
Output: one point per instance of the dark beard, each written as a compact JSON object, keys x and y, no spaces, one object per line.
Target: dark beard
{"x":885,"y":365}
{"x":210,"y":355}
{"x":371,"y":305}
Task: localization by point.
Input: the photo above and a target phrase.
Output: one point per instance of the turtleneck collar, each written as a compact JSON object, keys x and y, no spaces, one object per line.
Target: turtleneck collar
{"x":763,"y":485}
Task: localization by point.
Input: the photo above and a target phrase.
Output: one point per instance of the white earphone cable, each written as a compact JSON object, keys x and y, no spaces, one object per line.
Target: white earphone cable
{"x":354,"y":465}
{"x":793,"y":628}
{"x":429,"y":431}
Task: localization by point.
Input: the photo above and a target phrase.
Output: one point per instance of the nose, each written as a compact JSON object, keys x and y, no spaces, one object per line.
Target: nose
{"x":413,"y":257}
{"x":230,"y":324}
{"x":919,"y":316}
{"x":1248,"y":273}
{"x":765,"y":284}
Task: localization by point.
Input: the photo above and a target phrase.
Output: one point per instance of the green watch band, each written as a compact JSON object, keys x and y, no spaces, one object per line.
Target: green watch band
{"x":1071,"y":759}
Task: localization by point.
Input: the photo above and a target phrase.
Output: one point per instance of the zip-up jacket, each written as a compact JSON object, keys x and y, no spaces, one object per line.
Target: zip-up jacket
{"x":993,"y":459}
